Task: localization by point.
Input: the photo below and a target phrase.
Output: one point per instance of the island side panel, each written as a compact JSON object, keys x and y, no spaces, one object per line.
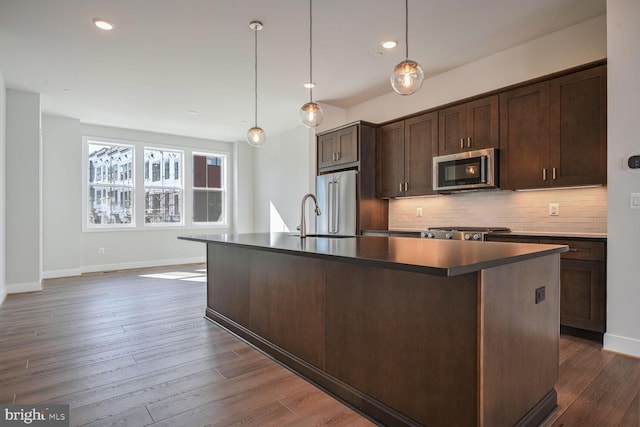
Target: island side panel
{"x":519,"y":342}
{"x":287,"y":303}
{"x":228,"y":270}
{"x":406,"y":339}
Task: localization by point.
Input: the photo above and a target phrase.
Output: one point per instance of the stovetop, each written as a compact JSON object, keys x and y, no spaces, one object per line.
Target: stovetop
{"x":463,"y":233}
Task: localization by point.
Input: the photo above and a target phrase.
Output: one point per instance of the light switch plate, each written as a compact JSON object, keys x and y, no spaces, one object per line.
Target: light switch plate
{"x":554,"y":209}
{"x":419,"y":212}
{"x":634,"y":200}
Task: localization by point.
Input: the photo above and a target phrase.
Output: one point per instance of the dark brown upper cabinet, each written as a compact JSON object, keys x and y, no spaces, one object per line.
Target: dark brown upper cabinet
{"x":553,"y":133}
{"x":338,"y":148}
{"x":469,"y":126}
{"x":404,"y":153}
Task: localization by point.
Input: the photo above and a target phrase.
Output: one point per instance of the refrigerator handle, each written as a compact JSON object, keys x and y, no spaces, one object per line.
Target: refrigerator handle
{"x":335,"y":205}
{"x":330,"y":206}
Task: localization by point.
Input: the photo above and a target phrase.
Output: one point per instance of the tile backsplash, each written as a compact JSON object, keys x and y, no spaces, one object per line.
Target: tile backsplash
{"x":581,"y":210}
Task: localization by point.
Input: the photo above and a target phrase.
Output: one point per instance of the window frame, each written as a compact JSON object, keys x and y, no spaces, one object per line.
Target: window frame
{"x":153,"y":185}
{"x":224,"y":189}
{"x":137,"y":173}
{"x":102,"y":184}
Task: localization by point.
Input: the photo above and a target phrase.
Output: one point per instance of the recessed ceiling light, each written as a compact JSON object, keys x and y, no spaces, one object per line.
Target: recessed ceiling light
{"x":389,"y":44}
{"x":103,"y":24}
{"x":309,"y":85}
{"x":193,"y":112}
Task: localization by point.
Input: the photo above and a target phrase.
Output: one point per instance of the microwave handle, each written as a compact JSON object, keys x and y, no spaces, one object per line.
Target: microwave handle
{"x":483,"y":169}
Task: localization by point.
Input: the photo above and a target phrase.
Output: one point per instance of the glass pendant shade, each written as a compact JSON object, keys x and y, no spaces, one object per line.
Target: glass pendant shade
{"x":256,"y":136}
{"x":407,"y":77}
{"x":311,"y":114}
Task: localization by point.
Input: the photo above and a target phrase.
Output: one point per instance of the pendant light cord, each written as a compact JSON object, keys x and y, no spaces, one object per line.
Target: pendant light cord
{"x":406,"y":28}
{"x":255,"y":86}
{"x":310,"y":51}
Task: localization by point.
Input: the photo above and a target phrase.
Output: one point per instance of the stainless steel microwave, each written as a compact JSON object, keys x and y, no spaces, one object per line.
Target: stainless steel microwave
{"x":470,"y":170}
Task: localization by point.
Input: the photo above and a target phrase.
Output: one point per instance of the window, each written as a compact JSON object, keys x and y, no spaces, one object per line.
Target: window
{"x":209,"y":188}
{"x":104,"y":207}
{"x":130,"y":185}
{"x":163,"y":192}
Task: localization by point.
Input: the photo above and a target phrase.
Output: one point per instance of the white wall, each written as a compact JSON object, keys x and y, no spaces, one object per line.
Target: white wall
{"x":61,"y":196}
{"x":284,"y":173}
{"x":564,"y":49}
{"x":3,"y":221}
{"x":23,"y":208}
{"x":623,"y":269}
{"x":67,"y":250}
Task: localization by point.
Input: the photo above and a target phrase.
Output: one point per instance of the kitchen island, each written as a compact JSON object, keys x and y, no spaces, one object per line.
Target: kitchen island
{"x":409,"y":331}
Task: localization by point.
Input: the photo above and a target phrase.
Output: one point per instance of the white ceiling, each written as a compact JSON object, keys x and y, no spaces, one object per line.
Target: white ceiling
{"x":168,"y":57}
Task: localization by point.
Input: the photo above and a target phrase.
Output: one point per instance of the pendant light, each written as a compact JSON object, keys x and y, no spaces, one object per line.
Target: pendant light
{"x":255,"y":135}
{"x":311,"y":113}
{"x":407,"y":76}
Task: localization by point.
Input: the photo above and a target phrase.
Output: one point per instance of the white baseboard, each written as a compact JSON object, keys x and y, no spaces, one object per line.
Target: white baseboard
{"x":141,"y":264}
{"x":54,"y":274}
{"x":17,"y":288}
{"x":620,"y":344}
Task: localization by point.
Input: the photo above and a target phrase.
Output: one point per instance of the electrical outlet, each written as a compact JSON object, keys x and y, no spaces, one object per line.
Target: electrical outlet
{"x":419,"y":212}
{"x":635,"y":201}
{"x":100,"y":251}
{"x":554,"y":209}
{"x":540,"y":294}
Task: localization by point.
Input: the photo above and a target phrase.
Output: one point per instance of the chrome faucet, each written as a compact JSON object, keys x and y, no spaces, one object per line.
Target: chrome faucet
{"x":303,"y":222}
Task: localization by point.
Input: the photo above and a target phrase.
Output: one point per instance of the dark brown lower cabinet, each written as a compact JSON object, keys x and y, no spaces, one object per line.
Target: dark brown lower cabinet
{"x":583,"y":284}
{"x":407,"y":348}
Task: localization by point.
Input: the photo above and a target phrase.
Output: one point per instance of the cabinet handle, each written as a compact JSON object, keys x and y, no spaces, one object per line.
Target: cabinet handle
{"x":573,"y":249}
{"x":468,"y":141}
{"x":338,"y":156}
{"x":461,"y":142}
{"x":544,"y":174}
{"x":553,"y":173}
{"x":406,"y":186}
{"x":333,"y":156}
{"x":401,"y":187}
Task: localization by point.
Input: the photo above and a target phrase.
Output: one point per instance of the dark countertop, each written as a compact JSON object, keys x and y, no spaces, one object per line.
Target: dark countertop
{"x":437,"y":257}
{"x":554,"y":235}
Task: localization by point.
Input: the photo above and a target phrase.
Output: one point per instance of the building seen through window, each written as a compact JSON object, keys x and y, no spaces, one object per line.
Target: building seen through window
{"x":110,"y":186}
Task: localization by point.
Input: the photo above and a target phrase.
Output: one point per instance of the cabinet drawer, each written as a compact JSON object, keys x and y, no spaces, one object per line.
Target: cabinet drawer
{"x":518,"y":239}
{"x":580,"y":249}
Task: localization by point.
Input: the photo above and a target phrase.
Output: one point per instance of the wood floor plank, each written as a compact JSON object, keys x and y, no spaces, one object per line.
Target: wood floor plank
{"x":132,"y":348}
{"x":606,"y":400}
{"x":632,"y":416}
{"x":578,"y":370}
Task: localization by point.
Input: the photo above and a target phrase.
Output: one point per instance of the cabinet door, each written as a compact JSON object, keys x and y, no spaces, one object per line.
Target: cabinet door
{"x":421,"y":144}
{"x":326,"y":150}
{"x":582,"y":294}
{"x":390,"y":160}
{"x":347,"y":145}
{"x":482,"y":123}
{"x":578,"y":105}
{"x":524,"y":137}
{"x":452,"y":123}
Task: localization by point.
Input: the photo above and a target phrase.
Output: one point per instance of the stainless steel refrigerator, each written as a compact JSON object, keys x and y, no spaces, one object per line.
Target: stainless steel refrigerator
{"x":336,"y":194}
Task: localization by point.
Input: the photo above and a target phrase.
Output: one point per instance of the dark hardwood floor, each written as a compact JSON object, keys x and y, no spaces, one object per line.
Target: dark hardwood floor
{"x":133,"y":349}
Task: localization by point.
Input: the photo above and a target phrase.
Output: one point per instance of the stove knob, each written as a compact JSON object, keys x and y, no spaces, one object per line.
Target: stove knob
{"x":467,"y":236}
{"x":476,"y":236}
{"x":448,"y":236}
{"x":430,"y":235}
